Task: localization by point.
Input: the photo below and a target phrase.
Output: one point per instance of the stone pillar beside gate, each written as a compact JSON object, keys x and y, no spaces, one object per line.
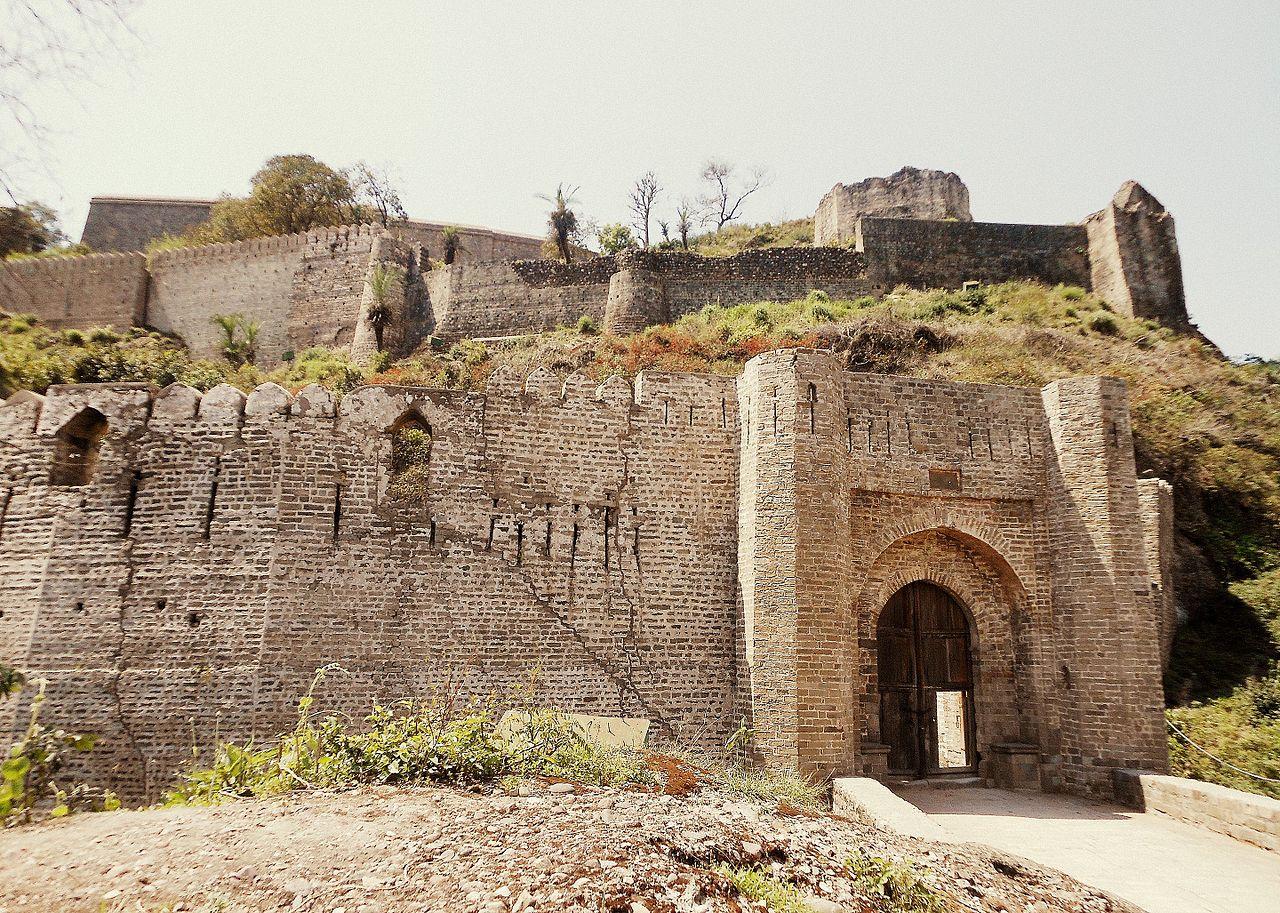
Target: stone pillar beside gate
{"x":794,"y":562}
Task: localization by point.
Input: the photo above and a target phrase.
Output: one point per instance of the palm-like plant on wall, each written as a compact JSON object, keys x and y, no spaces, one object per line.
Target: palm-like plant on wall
{"x":562,"y":221}
{"x":451,"y":240}
{"x":383,"y":280}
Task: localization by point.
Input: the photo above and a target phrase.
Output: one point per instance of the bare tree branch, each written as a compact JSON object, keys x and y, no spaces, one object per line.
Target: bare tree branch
{"x":45,"y":42}
{"x":685,"y":216}
{"x":643,"y":194}
{"x":725,"y":193}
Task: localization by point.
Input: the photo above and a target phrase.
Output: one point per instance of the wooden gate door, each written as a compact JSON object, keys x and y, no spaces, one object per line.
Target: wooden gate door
{"x":926,"y":682}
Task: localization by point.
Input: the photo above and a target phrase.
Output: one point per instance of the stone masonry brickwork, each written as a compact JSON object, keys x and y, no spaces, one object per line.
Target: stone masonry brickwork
{"x":312,"y":289}
{"x":909,"y":193}
{"x":78,"y":292}
{"x":696,"y":550}
{"x":130,"y":223}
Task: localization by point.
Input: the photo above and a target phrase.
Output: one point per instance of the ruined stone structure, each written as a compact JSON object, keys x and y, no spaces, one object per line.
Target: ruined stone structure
{"x":908,"y":193}
{"x":911,"y":229}
{"x":1134,"y":256}
{"x":877,"y":574}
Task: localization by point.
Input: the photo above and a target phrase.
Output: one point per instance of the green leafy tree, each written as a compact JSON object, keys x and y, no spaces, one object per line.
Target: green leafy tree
{"x":615,"y":238}
{"x":29,"y":228}
{"x":290,"y":194}
{"x":563,"y":226}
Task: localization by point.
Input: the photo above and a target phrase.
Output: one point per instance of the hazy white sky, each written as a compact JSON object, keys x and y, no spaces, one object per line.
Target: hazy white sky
{"x":1042,"y":108}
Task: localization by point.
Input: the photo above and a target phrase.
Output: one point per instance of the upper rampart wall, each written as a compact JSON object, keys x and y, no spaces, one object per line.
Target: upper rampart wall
{"x":946,"y":254}
{"x":303,"y":289}
{"x":476,"y":243}
{"x":131,"y":223}
{"x":308,"y":289}
{"x":87,"y":291}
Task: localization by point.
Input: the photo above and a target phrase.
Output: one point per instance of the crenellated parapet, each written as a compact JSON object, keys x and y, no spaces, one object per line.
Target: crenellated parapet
{"x":338,"y":237}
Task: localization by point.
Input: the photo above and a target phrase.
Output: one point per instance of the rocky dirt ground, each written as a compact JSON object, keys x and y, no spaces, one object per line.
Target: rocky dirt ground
{"x":550,"y":847}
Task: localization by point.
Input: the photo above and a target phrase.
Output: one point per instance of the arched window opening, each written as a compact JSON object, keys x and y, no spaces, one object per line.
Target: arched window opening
{"x":75,"y":454}
{"x":411,"y":442}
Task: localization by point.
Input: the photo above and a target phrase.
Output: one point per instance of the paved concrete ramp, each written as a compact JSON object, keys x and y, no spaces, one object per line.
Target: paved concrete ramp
{"x":1160,"y":864}
{"x":863,"y":797}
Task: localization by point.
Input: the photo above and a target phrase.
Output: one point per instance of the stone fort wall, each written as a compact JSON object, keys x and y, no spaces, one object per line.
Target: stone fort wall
{"x":228,"y":546}
{"x":77,"y":292}
{"x":303,"y":289}
{"x":129,"y":224}
{"x":696,"y":550}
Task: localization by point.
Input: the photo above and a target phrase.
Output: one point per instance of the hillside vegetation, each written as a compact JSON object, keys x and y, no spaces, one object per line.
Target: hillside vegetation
{"x":1209,"y":426}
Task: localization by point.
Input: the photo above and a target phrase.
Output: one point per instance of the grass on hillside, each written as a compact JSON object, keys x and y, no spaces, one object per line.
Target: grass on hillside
{"x":734,"y":239}
{"x":35,"y":357}
{"x":1209,"y":426}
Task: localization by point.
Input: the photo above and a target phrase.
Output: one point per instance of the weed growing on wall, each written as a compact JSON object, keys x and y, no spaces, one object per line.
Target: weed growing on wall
{"x":29,"y":775}
{"x":239,"y":338}
{"x":410,"y":464}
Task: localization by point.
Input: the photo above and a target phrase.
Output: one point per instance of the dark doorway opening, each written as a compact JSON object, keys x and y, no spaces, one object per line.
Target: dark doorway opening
{"x":926,"y":682}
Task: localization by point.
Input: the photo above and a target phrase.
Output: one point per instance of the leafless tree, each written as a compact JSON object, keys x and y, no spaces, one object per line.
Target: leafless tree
{"x":643,"y":194}
{"x":685,"y":216}
{"x":375,"y":190}
{"x":43,"y":43}
{"x":722,"y":202}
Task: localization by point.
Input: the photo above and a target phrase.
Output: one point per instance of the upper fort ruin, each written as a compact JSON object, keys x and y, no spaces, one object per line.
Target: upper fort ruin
{"x":912,"y":228}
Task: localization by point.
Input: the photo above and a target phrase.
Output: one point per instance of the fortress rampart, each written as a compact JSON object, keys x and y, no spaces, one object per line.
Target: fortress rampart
{"x":697,"y":550}
{"x":313,"y":289}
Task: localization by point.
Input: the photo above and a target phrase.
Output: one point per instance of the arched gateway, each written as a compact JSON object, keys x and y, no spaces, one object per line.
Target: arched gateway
{"x":925,"y":674}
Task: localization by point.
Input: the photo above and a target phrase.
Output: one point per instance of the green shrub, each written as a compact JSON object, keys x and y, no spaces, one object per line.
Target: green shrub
{"x":894,"y":886}
{"x":756,"y":884}
{"x":411,"y":742}
{"x":1072,"y":292}
{"x":587,"y":325}
{"x":29,"y":775}
{"x":1104,"y":324}
{"x":330,"y":368}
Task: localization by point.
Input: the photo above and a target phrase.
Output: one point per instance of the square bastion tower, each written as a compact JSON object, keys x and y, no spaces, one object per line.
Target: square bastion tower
{"x":879,"y":575}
